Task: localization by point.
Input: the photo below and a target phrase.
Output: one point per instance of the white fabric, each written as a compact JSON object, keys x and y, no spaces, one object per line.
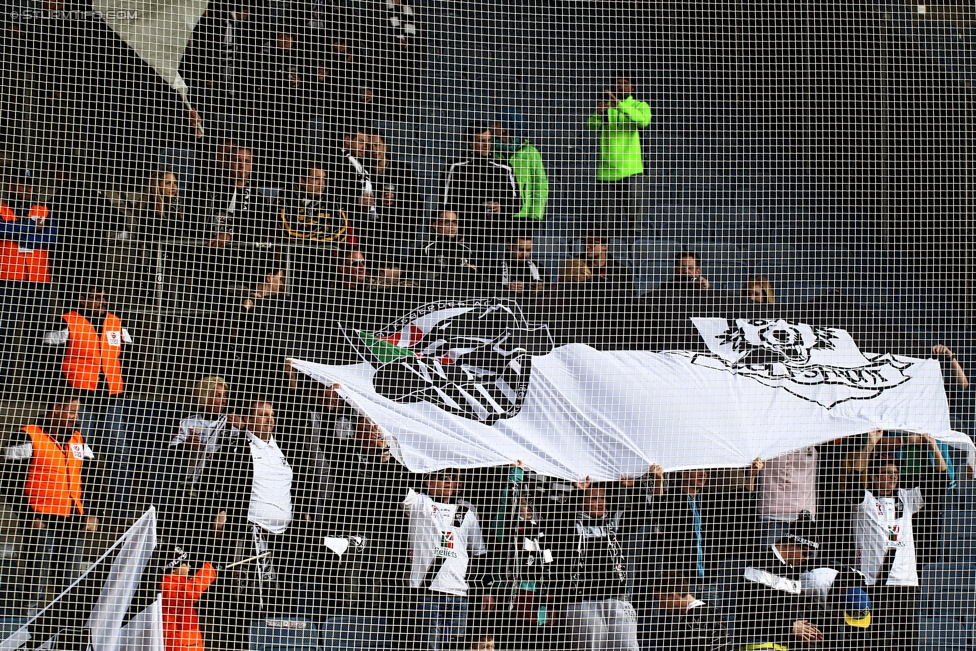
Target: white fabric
{"x":204,"y":433}
{"x":788,"y":486}
{"x":608,"y":414}
{"x":337,"y":545}
{"x":138,"y":543}
{"x":20,"y":452}
{"x":270,"y":506}
{"x":774,"y":581}
{"x":56,"y":337}
{"x":877,"y":529}
{"x":158,"y":30}
{"x":432,"y":533}
{"x":106,"y":618}
{"x":817,"y":582}
{"x":144,"y":632}
{"x":608,"y":625}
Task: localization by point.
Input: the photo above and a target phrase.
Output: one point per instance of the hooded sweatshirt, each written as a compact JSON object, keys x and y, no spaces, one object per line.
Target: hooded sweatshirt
{"x":526,"y":163}
{"x":620,"y":146}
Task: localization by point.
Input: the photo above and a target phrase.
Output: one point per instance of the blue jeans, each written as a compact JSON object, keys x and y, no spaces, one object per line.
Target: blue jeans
{"x":443,"y":619}
{"x":91,"y":424}
{"x":116,"y":451}
{"x":52,"y":556}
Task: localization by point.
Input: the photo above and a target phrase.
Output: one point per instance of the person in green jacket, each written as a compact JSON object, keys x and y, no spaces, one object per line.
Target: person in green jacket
{"x":511,"y":145}
{"x":618,"y":121}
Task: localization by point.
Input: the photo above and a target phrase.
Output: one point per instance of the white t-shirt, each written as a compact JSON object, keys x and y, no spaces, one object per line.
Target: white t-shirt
{"x":884,"y":523}
{"x":207,"y":431}
{"x":433,"y":534}
{"x":270,"y":506}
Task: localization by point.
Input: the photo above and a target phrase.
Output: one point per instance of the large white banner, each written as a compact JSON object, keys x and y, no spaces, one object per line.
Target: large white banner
{"x":472,"y":385}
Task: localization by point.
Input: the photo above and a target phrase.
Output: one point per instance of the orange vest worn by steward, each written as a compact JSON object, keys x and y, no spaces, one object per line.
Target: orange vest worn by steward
{"x":21,"y":264}
{"x":53,"y":484}
{"x":181,"y":628}
{"x":89,"y":354}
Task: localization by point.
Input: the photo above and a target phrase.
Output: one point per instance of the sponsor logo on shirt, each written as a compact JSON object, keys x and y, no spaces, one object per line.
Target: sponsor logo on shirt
{"x":447,"y":545}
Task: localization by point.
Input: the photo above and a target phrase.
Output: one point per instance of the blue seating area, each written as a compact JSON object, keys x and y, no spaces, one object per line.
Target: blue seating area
{"x":343,"y":633}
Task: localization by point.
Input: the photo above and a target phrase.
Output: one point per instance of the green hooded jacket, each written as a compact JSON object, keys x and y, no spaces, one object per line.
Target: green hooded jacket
{"x":620,"y":145}
{"x":533,"y":185}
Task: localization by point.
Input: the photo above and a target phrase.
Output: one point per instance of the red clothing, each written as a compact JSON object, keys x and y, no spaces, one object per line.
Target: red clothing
{"x":181,"y":628}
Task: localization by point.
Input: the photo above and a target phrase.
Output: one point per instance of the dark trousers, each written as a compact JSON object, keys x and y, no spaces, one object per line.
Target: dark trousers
{"x":51,"y":556}
{"x":24,"y":307}
{"x":894,"y":617}
{"x":238,"y":597}
{"x":621,"y":207}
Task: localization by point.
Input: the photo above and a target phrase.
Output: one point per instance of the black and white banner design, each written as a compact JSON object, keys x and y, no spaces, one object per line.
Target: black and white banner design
{"x":765,"y":388}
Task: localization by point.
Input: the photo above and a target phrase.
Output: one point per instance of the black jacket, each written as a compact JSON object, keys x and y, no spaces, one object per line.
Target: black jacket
{"x":352,"y":180}
{"x":614,"y":280}
{"x":723,"y":529}
{"x":250,"y":221}
{"x":468,"y":185}
{"x":366,"y":500}
{"x":396,"y":225}
{"x":226,"y":486}
{"x":589,"y":561}
{"x":442,"y":266}
{"x":770,"y":601}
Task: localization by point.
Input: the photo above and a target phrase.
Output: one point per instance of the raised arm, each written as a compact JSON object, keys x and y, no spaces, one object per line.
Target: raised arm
{"x":958,"y":374}
{"x":862,"y":458}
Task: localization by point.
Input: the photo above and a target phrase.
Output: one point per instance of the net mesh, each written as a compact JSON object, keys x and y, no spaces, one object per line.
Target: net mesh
{"x":386,"y":324}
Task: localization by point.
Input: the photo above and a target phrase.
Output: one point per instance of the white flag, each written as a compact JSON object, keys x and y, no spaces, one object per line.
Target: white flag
{"x":467,"y":391}
{"x":105,"y":621}
{"x":144,"y":632}
{"x":106,"y":618}
{"x":158,"y":30}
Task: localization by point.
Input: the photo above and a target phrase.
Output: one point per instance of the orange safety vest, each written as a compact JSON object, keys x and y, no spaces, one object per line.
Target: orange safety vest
{"x":53,"y":484}
{"x":89,"y":354}
{"x":181,"y":628}
{"x":17,"y":264}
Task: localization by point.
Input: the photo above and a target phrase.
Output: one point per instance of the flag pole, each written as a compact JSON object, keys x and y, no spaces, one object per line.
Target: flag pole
{"x":248,"y":560}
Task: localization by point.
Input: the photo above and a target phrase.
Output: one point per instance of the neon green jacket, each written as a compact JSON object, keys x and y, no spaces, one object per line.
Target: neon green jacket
{"x":620,"y":146}
{"x":533,"y":185}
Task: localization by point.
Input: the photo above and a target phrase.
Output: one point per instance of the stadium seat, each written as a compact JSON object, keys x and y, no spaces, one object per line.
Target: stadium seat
{"x":944,"y":634}
{"x":344,"y":633}
{"x":284,"y":635}
{"x":949,"y":590}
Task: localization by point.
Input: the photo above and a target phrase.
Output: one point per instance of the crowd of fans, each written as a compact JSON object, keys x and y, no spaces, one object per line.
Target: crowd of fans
{"x":275,"y":506}
{"x":278,"y":498}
